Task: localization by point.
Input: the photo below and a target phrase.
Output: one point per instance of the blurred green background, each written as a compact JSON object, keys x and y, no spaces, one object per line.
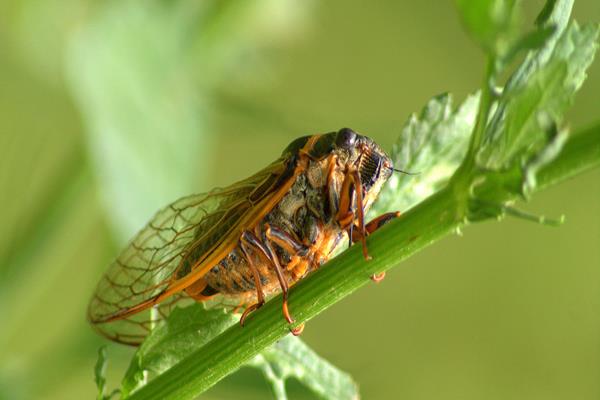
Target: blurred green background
{"x":110,"y":109}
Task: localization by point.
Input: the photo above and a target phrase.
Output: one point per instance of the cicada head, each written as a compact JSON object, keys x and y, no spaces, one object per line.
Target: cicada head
{"x":373,"y":164}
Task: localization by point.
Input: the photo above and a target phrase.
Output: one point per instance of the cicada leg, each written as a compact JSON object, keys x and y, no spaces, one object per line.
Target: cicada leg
{"x":361,"y":212}
{"x":298,"y":265}
{"x":371,"y":227}
{"x":278,"y":271}
{"x":247,"y":241}
{"x":375,"y":224}
{"x":346,"y":214}
{"x":353,"y":220}
{"x":380,"y":221}
{"x":273,"y":235}
{"x":296,"y":249}
{"x":297,"y":331}
{"x":285,"y":240}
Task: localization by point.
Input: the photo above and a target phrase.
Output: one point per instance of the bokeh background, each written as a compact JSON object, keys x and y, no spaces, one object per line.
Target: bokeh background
{"x":110,"y":109}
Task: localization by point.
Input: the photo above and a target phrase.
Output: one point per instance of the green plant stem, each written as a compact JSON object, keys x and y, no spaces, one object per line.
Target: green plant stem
{"x":581,"y":153}
{"x":485,"y":104}
{"x":419,"y":227}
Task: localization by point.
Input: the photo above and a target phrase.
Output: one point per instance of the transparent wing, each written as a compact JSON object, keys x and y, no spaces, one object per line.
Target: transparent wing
{"x":133,"y":294}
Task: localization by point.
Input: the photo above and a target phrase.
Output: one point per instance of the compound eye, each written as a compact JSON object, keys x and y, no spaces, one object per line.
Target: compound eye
{"x":345,"y":138}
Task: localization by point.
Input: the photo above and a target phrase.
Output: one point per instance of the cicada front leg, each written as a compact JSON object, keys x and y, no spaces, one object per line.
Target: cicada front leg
{"x":380,"y":221}
{"x":375,"y":224}
{"x":371,"y":227}
{"x":353,"y":220}
{"x":349,"y":217}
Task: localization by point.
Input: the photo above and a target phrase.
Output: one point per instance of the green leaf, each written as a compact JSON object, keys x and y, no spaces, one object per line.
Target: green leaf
{"x":492,"y":23}
{"x":531,"y":41}
{"x":556,"y":16}
{"x":100,"y":373}
{"x":432,"y":145}
{"x":291,"y":358}
{"x":520,"y":127}
{"x":185,"y":329}
{"x":523,"y":134}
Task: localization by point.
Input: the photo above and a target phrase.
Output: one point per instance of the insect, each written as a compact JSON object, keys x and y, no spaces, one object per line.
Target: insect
{"x":249,"y":240}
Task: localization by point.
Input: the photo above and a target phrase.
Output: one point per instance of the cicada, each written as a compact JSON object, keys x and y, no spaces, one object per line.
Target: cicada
{"x":247,"y":241}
